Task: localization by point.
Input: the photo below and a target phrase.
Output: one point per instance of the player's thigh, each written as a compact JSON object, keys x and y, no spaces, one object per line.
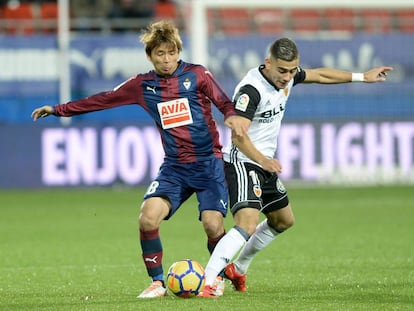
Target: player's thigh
{"x":170,"y":187}
{"x":243,"y":181}
{"x":211,"y":187}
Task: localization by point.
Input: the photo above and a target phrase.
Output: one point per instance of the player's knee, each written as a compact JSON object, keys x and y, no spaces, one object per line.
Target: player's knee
{"x":248,"y":227}
{"x":287,"y":223}
{"x":153,"y":211}
{"x":247,"y":219}
{"x":212,"y":223}
{"x":213,"y":229}
{"x":146,"y":222}
{"x":282,"y":224}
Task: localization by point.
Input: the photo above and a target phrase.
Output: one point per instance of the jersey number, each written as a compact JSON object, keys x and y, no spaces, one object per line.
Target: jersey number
{"x":153,"y":187}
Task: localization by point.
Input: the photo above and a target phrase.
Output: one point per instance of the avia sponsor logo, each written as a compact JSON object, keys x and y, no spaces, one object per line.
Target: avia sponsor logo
{"x":175,"y":113}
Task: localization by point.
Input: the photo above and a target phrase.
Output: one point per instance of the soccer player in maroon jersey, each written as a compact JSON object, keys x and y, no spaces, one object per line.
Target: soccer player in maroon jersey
{"x":179,"y":97}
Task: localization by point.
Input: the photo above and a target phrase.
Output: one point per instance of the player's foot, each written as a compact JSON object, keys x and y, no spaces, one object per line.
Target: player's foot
{"x":218,"y":286}
{"x":156,"y":289}
{"x":208,"y":292}
{"x":238,"y":279}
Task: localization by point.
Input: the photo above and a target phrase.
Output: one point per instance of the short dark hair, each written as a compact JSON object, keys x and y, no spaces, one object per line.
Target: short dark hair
{"x":284,"y":49}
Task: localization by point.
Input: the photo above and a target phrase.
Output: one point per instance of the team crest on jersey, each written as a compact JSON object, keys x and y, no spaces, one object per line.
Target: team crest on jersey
{"x":187,"y":83}
{"x":242,"y":102}
{"x":257,"y":191}
{"x":279,"y":186}
{"x":175,"y":113}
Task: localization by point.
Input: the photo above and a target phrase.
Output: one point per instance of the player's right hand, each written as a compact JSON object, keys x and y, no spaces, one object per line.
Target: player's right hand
{"x":272,"y":165}
{"x":42,"y":112}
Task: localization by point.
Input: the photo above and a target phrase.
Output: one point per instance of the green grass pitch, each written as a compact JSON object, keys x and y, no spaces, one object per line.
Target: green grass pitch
{"x":78,"y":249}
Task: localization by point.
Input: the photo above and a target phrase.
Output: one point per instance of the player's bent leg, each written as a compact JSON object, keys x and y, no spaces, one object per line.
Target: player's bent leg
{"x":153,"y":211}
{"x":214,"y":228}
{"x":276,"y":222}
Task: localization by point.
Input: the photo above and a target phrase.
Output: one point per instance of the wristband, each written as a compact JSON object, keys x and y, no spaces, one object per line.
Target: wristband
{"x":357,"y":77}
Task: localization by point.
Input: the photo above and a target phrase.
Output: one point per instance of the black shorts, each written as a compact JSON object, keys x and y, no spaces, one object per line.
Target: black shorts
{"x":251,"y":186}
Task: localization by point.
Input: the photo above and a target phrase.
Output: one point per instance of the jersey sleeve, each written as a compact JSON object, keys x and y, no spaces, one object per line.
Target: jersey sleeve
{"x":124,"y":94}
{"x":246,"y":101}
{"x":215,"y":92}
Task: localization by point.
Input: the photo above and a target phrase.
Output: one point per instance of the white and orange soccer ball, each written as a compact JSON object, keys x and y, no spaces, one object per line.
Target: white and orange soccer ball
{"x":186,"y":278}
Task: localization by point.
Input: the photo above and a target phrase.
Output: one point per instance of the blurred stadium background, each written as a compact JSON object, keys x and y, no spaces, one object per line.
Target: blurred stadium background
{"x":346,"y":134}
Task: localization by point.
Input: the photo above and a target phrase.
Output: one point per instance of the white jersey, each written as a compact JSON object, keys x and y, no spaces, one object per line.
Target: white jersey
{"x":259,"y":100}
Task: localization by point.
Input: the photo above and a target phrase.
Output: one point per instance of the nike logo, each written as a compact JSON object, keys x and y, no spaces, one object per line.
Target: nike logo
{"x":224,"y":204}
{"x":149,"y":88}
{"x":226,"y":260}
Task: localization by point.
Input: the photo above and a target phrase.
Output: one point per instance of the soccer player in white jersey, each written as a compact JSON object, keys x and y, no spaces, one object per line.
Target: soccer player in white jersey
{"x":251,"y":169}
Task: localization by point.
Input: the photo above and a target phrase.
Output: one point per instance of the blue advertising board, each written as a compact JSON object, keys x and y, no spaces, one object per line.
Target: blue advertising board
{"x":30,"y":72}
{"x":349,"y":133}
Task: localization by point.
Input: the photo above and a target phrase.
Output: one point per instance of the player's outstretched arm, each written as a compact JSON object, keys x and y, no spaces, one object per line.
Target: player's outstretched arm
{"x":42,"y":112}
{"x":332,"y":75}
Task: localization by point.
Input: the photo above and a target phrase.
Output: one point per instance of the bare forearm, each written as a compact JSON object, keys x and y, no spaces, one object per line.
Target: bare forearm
{"x":328,"y":76}
{"x":246,"y":146}
{"x":331,"y":75}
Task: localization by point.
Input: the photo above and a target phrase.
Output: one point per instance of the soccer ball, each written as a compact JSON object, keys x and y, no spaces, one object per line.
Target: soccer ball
{"x":186,"y":278}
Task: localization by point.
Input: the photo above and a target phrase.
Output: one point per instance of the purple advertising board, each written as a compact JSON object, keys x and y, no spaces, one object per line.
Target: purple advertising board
{"x":351,"y":152}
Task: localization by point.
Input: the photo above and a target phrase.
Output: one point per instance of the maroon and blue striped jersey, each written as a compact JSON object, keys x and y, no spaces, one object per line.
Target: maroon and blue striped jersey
{"x":180,"y":105}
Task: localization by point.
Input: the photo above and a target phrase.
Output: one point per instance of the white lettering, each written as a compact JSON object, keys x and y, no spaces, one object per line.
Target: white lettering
{"x":350,"y":152}
{"x":404,"y":132}
{"x":106,"y":172}
{"x":288,"y":151}
{"x":327,"y":149}
{"x":131,"y":156}
{"x":155,"y":152}
{"x":81,"y":156}
{"x":378,"y":147}
{"x":53,"y":157}
{"x":307,"y":158}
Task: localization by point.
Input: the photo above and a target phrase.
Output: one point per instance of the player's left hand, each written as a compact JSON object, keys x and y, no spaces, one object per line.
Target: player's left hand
{"x":42,"y":112}
{"x":378,"y":74}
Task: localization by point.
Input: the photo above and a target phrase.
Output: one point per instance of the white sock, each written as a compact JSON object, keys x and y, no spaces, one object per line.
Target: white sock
{"x":262,"y":237}
{"x":225,"y":250}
